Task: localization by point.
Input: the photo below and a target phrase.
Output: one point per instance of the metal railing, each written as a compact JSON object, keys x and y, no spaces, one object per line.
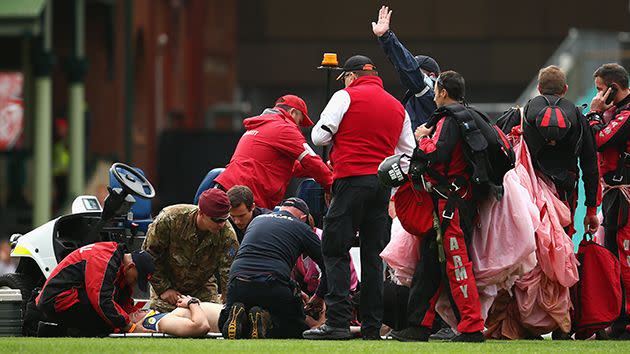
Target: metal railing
{"x":579,"y":55}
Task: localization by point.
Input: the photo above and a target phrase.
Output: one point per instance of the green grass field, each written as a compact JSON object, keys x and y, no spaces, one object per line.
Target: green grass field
{"x":163,"y":345}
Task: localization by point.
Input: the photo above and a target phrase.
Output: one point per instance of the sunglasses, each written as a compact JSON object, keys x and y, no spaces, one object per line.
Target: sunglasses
{"x":219,"y":220}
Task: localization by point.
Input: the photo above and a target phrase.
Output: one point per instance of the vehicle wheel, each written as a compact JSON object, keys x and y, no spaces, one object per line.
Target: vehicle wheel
{"x":18,"y":281}
{"x":24,"y":284}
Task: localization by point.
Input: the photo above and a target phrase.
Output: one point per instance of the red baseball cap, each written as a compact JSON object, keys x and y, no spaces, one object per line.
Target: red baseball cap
{"x":294,"y":101}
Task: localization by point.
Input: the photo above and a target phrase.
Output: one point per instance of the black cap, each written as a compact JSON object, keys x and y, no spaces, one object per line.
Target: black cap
{"x":297,"y":203}
{"x":427,"y":63}
{"x":356,"y":63}
{"x":145,"y":266}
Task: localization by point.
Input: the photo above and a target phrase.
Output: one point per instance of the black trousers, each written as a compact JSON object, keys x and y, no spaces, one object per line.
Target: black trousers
{"x":425,"y":282}
{"x":284,"y":305}
{"x":79,"y":320}
{"x":395,"y":305}
{"x":358,"y":204}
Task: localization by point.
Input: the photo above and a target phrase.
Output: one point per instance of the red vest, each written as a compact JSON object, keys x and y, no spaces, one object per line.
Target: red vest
{"x":369,"y":131}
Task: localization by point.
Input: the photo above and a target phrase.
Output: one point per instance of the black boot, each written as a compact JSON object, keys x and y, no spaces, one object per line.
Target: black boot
{"x":445,"y":333}
{"x":234,"y":327}
{"x":476,"y":337}
{"x":327,"y":332}
{"x":412,"y":334}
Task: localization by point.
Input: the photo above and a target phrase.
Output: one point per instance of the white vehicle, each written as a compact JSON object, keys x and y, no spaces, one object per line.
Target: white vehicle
{"x":40,"y":250}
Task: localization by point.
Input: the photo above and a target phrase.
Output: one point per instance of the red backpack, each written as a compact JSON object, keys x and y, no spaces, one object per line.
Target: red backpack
{"x":597,"y":296}
{"x":414,"y":209}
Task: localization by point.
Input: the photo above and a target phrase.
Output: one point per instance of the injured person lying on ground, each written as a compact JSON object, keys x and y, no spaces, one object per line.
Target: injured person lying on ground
{"x":191,"y":318}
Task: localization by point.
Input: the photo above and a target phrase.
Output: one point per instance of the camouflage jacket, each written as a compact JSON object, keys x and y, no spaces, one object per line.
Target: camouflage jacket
{"x":186,"y":258}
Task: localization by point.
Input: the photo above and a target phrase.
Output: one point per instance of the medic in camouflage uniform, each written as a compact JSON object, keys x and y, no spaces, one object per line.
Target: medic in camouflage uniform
{"x":191,"y":244}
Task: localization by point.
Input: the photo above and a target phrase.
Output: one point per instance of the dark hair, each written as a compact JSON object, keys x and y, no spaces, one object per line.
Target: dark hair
{"x":551,"y":80}
{"x":454,"y":84}
{"x":239,"y":195}
{"x":613,"y":73}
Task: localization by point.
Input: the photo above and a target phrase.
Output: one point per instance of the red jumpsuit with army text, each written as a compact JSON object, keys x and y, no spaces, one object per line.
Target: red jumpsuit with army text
{"x":445,"y":155}
{"x":612,"y":136}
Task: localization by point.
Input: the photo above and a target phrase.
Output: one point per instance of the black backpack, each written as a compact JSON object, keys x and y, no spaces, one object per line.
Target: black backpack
{"x":551,"y":121}
{"x":509,"y":119}
{"x":486,"y":148}
{"x":551,"y":125}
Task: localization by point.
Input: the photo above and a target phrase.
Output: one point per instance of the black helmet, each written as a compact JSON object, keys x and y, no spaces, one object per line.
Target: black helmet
{"x":390,"y":173}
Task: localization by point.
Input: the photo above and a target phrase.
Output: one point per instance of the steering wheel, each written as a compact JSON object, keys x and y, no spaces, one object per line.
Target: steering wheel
{"x":132,"y":181}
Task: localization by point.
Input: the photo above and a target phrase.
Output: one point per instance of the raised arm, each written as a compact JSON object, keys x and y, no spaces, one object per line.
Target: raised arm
{"x":405,"y":63}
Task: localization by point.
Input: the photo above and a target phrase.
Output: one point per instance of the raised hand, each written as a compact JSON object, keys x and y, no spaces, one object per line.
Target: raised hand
{"x":384,"y":15}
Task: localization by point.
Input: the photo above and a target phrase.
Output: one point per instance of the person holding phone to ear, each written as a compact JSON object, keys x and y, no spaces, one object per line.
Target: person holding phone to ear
{"x":612,"y":93}
{"x":610,"y":122}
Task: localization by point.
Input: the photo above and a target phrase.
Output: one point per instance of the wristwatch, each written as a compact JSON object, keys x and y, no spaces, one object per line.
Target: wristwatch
{"x":594,"y":116}
{"x":193,"y":300}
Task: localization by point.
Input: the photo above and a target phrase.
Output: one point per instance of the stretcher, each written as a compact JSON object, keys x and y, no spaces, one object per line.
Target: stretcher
{"x":159,"y":335}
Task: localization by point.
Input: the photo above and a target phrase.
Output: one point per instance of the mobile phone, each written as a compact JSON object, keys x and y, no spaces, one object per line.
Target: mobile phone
{"x":612,"y":94}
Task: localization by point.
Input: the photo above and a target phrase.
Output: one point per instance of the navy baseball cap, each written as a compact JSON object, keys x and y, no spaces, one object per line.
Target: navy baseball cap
{"x":427,"y":63}
{"x":296,"y":203}
{"x":357,"y":63}
{"x":145,"y":266}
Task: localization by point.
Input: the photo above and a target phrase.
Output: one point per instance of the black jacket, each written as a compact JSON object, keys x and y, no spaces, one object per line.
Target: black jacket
{"x":241,"y":233}
{"x":271,"y":246}
{"x":560,"y":162}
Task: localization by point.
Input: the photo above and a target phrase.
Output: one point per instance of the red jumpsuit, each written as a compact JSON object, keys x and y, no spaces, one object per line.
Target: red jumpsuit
{"x":612,"y":135}
{"x":445,"y":155}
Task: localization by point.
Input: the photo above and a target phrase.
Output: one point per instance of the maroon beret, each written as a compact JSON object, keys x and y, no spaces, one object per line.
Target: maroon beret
{"x":214,"y":203}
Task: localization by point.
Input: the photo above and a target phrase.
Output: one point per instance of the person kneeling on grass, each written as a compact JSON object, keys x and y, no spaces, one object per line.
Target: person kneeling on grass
{"x":261,"y":294}
{"x":89,"y":293}
{"x":191,"y":318}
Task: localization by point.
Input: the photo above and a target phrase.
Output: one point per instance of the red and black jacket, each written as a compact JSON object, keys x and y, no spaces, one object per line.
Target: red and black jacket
{"x":612,"y":136}
{"x":96,"y":271}
{"x":444,"y":152}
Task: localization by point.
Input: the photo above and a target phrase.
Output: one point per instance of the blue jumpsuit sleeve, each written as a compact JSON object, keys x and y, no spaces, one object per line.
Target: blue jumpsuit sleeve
{"x":404,"y":62}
